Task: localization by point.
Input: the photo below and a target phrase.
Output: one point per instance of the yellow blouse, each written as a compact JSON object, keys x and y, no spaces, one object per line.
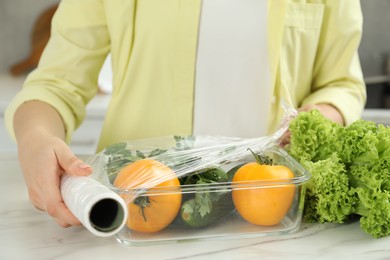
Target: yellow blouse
{"x":313,"y":53}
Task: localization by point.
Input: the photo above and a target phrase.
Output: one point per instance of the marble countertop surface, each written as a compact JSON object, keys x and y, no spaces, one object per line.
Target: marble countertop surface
{"x":26,"y":233}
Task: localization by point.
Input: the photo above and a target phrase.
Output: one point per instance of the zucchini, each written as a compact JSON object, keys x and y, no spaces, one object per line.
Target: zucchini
{"x":232,"y":171}
{"x":193,"y":216}
{"x":208,"y":207}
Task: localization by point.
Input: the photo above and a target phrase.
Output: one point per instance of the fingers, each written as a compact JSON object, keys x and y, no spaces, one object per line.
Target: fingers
{"x":307,"y":108}
{"x":35,"y":199}
{"x":53,"y":203}
{"x":49,"y":199}
{"x":42,"y":177}
{"x":55,"y":206}
{"x":71,"y":164}
{"x":60,"y":213}
{"x":285,"y":140}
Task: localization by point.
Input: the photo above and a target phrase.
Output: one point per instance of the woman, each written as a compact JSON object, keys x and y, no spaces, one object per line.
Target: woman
{"x":165,"y":71}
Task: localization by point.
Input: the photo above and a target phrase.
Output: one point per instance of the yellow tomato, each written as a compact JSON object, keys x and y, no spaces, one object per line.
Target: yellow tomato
{"x":263,"y":205}
{"x":150,"y":211}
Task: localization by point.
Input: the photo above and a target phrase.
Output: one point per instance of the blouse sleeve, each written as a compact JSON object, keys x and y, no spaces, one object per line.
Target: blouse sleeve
{"x":338,"y":78}
{"x":67,"y":74}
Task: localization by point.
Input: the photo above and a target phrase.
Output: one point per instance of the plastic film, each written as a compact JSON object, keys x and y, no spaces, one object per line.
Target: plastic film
{"x":99,"y":209}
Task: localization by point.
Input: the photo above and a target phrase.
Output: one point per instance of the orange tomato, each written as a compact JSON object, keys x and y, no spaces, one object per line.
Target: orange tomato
{"x":150,"y":211}
{"x":263,"y":205}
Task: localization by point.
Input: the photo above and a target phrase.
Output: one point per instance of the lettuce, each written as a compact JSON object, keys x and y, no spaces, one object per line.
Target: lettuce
{"x":350,"y":168}
{"x":327,"y":194}
{"x":313,"y":136}
{"x":371,"y":185}
{"x":359,"y":142}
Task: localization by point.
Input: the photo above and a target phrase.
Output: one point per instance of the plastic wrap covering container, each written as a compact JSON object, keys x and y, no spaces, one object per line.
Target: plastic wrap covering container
{"x":203,"y":187}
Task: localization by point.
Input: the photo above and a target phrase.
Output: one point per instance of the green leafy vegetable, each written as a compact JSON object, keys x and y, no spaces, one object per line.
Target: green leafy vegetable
{"x":327,"y":195}
{"x":313,"y":136}
{"x":350,"y":168}
{"x":359,"y":142}
{"x":371,"y":186}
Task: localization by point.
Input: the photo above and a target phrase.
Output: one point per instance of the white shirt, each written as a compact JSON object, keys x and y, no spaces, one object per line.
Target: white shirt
{"x":232,"y":81}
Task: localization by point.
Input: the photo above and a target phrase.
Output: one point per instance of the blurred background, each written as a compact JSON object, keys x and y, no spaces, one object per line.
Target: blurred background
{"x":17,"y":18}
{"x":22,"y":20}
{"x":374,"y":52}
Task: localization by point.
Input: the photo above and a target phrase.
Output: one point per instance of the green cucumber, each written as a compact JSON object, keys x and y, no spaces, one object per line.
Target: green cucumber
{"x":232,"y":171}
{"x":208,"y":207}
{"x":193,"y":217}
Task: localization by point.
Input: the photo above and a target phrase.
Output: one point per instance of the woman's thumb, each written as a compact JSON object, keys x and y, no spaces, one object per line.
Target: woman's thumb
{"x":73,"y":165}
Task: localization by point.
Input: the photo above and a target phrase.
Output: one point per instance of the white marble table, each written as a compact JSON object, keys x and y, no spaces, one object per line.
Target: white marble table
{"x":26,"y":233}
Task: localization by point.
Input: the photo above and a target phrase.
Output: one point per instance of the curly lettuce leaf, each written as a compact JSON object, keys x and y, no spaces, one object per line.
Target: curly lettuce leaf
{"x":371,"y":185}
{"x":327,"y":196}
{"x":359,"y":142}
{"x":383,"y":145}
{"x":374,"y":209}
{"x":313,"y":136}
{"x":373,"y":176}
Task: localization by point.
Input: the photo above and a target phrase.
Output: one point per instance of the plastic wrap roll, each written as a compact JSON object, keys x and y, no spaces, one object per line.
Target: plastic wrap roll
{"x":100,"y":210}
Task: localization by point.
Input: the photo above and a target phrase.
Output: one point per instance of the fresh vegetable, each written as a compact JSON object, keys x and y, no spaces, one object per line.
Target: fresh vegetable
{"x":327,"y":195}
{"x":266,"y":205}
{"x":219,"y":205}
{"x":209,"y":204}
{"x":150,"y":210}
{"x":350,"y":168}
{"x":370,"y":184}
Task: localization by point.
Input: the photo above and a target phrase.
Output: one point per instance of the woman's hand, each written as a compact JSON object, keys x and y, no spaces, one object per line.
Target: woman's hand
{"x":43,"y":160}
{"x":44,"y":157}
